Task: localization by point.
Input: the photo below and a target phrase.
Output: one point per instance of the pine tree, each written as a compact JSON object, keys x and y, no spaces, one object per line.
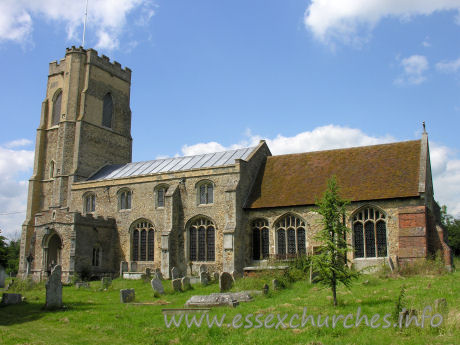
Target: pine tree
{"x":330,"y":258}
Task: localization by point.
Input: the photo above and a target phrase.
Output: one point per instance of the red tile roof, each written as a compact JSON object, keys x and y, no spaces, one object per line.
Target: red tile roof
{"x":363,"y":173}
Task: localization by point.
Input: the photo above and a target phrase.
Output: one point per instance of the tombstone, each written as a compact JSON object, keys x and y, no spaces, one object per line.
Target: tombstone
{"x":123,"y":267}
{"x":158,"y":275}
{"x":127,"y":295}
{"x":391,"y":264}
{"x":11,"y":298}
{"x":176,"y":284}
{"x":265,"y":289}
{"x":276,"y":284}
{"x":216,"y":276}
{"x":54,"y":289}
{"x":204,"y":278}
{"x":440,"y":304}
{"x":157,"y":286}
{"x":185,"y":283}
{"x":106,"y":282}
{"x":236,"y":275}
{"x":203,"y":268}
{"x":213,"y":300}
{"x":2,"y":277}
{"x":80,"y":285}
{"x":225,"y":281}
{"x":175,"y":273}
{"x":133,"y":267}
{"x":148,"y":273}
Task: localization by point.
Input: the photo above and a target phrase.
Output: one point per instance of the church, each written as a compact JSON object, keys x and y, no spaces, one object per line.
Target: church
{"x":91,"y":209}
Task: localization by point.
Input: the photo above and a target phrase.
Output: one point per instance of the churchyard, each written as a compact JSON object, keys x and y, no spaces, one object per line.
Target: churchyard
{"x":92,"y":313}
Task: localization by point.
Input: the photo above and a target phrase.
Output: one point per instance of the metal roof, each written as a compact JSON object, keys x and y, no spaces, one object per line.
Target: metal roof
{"x":156,"y":166}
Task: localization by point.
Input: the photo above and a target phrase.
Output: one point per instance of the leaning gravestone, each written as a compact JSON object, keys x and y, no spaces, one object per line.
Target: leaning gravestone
{"x":148,"y":273}
{"x":123,"y":268}
{"x":2,"y":276}
{"x":216,"y":276}
{"x":185,"y":283}
{"x":204,"y":278}
{"x":105,"y":282}
{"x":11,"y":298}
{"x":236,"y":275}
{"x":203,"y":268}
{"x":176,"y":284}
{"x":225,"y":281}
{"x":157,"y":286}
{"x":175,"y":273}
{"x":127,"y":295}
{"x":158,"y":275}
{"x":54,"y":289}
{"x":276,"y":284}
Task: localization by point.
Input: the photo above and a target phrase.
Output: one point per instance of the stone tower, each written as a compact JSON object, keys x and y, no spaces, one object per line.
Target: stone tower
{"x":85,"y":124}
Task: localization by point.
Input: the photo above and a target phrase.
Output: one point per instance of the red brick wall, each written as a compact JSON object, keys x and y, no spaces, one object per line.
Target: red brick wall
{"x":412,"y":233}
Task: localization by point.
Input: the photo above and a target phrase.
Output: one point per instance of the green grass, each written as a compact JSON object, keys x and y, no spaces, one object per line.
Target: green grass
{"x":97,"y":317}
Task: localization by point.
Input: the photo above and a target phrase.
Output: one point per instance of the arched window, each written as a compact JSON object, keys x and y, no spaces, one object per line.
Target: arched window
{"x":143,"y":245}
{"x":160,"y":193}
{"x":205,"y":193}
{"x":52,"y":169}
{"x":291,"y":236}
{"x":89,"y":202}
{"x":107,"y":111}
{"x":56,"y":116}
{"x":202,"y":238}
{"x":369,"y":233}
{"x":124,"y":199}
{"x":260,"y":239}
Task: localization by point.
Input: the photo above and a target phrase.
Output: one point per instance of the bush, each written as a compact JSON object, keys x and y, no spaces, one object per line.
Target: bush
{"x":431,"y":266}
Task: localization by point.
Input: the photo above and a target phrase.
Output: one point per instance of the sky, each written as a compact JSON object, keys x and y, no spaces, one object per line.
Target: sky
{"x":211,"y":75}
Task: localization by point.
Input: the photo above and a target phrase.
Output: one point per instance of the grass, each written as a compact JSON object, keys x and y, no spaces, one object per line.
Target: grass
{"x":91,"y":316}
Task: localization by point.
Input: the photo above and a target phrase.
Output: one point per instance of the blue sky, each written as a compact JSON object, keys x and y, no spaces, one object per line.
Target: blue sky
{"x":209,"y":75}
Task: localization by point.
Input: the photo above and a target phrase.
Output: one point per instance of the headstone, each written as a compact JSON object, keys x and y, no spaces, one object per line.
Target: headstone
{"x":213,"y":300}
{"x":148,"y":273}
{"x":236,"y":275}
{"x":203,"y":268}
{"x":265,"y":289}
{"x":176,"y":284}
{"x":123,"y":267}
{"x":54,"y":289}
{"x":175,"y":273}
{"x":440,"y":304}
{"x":185,"y":283}
{"x":157,"y":286}
{"x":80,"y":285}
{"x":133,"y":266}
{"x":204,"y":278}
{"x":2,"y":276}
{"x":216,"y":276}
{"x":158,"y":275}
{"x":276,"y":284}
{"x":127,"y":295}
{"x":225,"y":281}
{"x":391,"y":264}
{"x":106,"y":282}
{"x":11,"y":298}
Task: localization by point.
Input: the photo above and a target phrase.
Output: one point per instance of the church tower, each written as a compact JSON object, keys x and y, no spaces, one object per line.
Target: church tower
{"x":85,"y":124}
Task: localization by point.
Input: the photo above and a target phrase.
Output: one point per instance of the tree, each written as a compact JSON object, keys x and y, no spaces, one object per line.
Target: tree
{"x":452,"y":226}
{"x":3,"y":250}
{"x":330,"y":261}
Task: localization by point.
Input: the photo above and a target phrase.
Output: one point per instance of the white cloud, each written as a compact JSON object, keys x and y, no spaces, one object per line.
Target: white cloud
{"x":414,"y":68}
{"x":13,"y":190}
{"x":426,"y":42}
{"x":349,"y":21}
{"x":107,"y":19}
{"x":448,"y":66}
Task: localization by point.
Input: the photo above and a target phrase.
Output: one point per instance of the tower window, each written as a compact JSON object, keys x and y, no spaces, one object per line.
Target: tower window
{"x":56,"y":108}
{"x":205,"y":193}
{"x":107,"y":111}
{"x":90,"y":203}
{"x":369,"y":233}
{"x":96,"y":257}
{"x":124,"y":200}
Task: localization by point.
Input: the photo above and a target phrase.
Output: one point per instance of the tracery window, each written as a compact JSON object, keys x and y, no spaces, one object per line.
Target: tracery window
{"x":143,"y":245}
{"x":260,"y":239}
{"x":369,"y":233}
{"x":291,"y":236}
{"x":107,"y":111}
{"x":124,"y":199}
{"x":202,"y":239}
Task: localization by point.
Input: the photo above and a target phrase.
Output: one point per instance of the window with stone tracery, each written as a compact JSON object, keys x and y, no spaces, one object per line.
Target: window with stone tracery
{"x":291,"y":236}
{"x":202,"y":240}
{"x":260,"y":239}
{"x":369,"y":233}
{"x":143,"y":244}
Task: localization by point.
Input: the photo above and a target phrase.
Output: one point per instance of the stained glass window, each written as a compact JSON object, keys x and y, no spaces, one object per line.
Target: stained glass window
{"x":301,"y":248}
{"x":295,"y":242}
{"x":151,"y":245}
{"x":210,"y":254}
{"x":369,"y":238}
{"x":359,"y":240}
{"x":291,"y":241}
{"x":202,"y":240}
{"x":201,"y":244}
{"x":143,"y":245}
{"x":136,"y":245}
{"x":265,"y":243}
{"x":281,"y":242}
{"x":381,"y":239}
{"x":193,"y":244}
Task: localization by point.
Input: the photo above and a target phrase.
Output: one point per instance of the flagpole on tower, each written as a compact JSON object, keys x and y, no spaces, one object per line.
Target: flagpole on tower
{"x":84,"y":24}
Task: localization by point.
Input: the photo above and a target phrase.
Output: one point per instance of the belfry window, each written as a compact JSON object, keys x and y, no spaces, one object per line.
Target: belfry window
{"x":260,"y":239}
{"x":56,"y":115}
{"x":143,"y":245}
{"x":290,"y":236}
{"x":202,"y":240}
{"x":369,"y":233}
{"x":107,"y":111}
{"x":205,"y":193}
{"x":124,"y":199}
{"x":96,"y":257}
{"x":89,"y":203}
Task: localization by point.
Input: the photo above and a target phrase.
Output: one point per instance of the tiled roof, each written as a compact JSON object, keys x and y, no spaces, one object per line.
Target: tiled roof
{"x":363,"y":173}
{"x":207,"y":160}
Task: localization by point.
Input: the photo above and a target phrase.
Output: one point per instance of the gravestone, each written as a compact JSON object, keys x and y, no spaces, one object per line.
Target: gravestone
{"x":213,"y":300}
{"x":2,"y":276}
{"x":203,"y":268}
{"x":175,"y":273}
{"x":54,"y":289}
{"x":216,"y":276}
{"x":176,"y":284}
{"x":440,"y":304}
{"x":80,"y":285}
{"x":391,"y":264}
{"x":225,"y":281}
{"x":127,"y":295}
{"x":157,"y":286}
{"x":158,"y":275}
{"x":133,"y":266}
{"x":185,"y":283}
{"x":204,"y":278}
{"x":276,"y":284}
{"x":148,"y":273}
{"x":265,"y":289}
{"x":106,"y":282}
{"x":11,"y":298}
{"x":123,"y":267}
{"x":236,"y":275}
